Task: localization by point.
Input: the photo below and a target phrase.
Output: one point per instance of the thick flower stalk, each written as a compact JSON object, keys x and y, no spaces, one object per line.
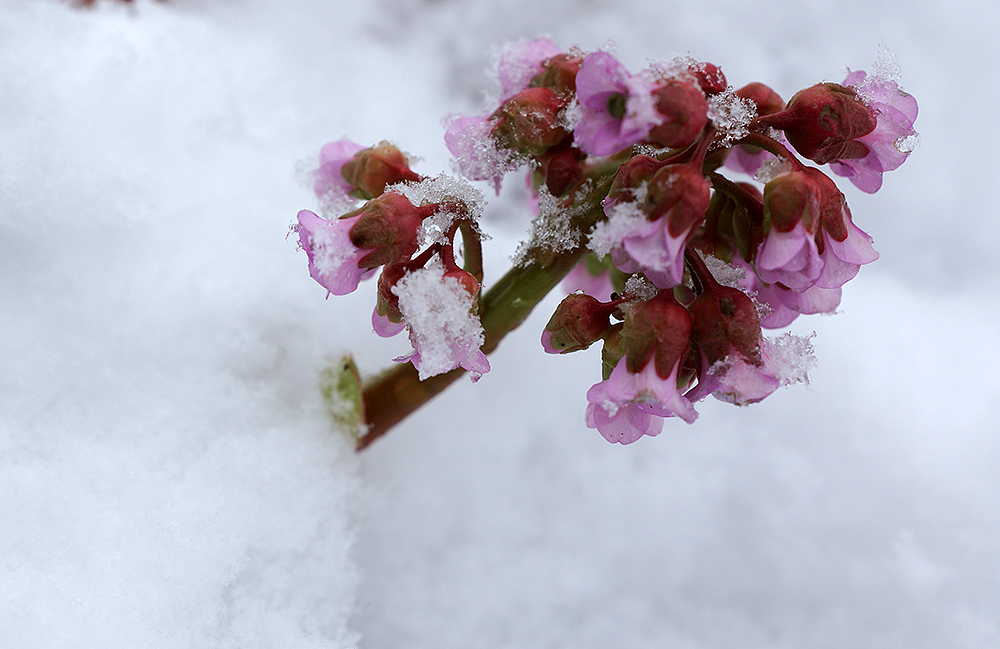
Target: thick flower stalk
{"x":673,"y":266}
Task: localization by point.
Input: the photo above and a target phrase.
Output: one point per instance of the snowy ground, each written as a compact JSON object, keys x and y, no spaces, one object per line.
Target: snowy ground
{"x":168,"y":478}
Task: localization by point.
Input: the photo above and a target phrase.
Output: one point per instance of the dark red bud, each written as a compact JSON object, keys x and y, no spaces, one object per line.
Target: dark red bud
{"x":659,"y":328}
{"x":680,"y":192}
{"x":559,"y":74}
{"x":709,"y":77}
{"x":635,"y":171}
{"x":389,"y":226}
{"x":371,"y":170}
{"x":579,"y":321}
{"x":724,"y":317}
{"x":763,"y":97}
{"x":685,"y":109}
{"x":792,"y":198}
{"x":823,"y":121}
{"x":529,"y":122}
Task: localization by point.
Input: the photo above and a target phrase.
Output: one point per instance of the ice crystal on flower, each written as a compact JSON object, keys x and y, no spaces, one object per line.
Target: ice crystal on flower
{"x":623,"y":219}
{"x":730,"y":114}
{"x":553,"y":230}
{"x":639,"y":288}
{"x":792,"y":357}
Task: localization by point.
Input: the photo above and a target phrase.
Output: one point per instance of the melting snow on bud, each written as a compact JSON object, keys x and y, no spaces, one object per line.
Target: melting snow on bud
{"x":444,"y":331}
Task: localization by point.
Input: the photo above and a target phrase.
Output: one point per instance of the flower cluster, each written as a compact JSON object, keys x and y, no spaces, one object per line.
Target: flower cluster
{"x":427,"y":293}
{"x":681,"y":267}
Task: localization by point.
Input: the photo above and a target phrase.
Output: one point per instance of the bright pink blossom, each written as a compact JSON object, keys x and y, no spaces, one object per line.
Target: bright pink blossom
{"x":618,"y":108}
{"x":622,"y":408}
{"x":333,"y":259}
{"x":893,"y":138}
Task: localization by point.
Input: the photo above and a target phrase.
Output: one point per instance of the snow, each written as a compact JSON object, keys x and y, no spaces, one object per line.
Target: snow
{"x":169,"y":476}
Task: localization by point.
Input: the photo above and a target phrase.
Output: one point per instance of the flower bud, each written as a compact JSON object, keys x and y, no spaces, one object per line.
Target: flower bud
{"x":579,"y":321}
{"x":679,"y":192}
{"x":632,"y":173}
{"x":529,"y":122}
{"x":685,"y":109}
{"x":763,"y":97}
{"x":559,"y":74}
{"x":386,"y":301}
{"x":723,"y":319}
{"x":659,"y":328}
{"x":790,"y":199}
{"x":709,"y":77}
{"x":389,"y":225}
{"x":823,"y":122}
{"x":371,"y":170}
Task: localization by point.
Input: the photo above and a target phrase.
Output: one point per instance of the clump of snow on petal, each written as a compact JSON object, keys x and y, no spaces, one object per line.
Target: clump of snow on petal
{"x":772,"y":169}
{"x":731,"y":115}
{"x":624,"y":218}
{"x":451,"y":192}
{"x":885,"y":70}
{"x":791,"y":357}
{"x":725,"y":274}
{"x":476,"y":155}
{"x":438,"y":311}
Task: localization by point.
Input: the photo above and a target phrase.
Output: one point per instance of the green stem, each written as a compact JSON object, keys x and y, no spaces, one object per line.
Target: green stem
{"x":397,"y":392}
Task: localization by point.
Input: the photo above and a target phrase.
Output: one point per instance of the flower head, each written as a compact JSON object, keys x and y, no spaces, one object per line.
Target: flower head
{"x":893,"y":138}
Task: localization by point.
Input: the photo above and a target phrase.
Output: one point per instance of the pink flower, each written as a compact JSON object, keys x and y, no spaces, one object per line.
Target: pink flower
{"x":785,"y":304}
{"x":893,"y":138}
{"x":622,"y":407}
{"x":328,"y":183}
{"x":790,"y":258}
{"x":618,"y":108}
{"x":333,"y":259}
{"x":582,"y":279}
{"x":385,"y":327}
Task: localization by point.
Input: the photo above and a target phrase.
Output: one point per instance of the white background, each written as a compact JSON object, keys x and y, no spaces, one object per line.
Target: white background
{"x":168,"y":478}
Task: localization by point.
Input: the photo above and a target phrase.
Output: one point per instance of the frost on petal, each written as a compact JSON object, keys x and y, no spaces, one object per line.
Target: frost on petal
{"x":520,"y":61}
{"x":333,"y":259}
{"x":443,"y":330}
{"x":329,"y":184}
{"x":476,"y":156}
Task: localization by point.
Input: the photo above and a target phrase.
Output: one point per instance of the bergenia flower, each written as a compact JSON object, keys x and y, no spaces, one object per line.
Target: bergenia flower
{"x":328,"y":182}
{"x":893,"y":138}
{"x":783,"y":304}
{"x":790,"y":258}
{"x":618,"y":108}
{"x":627,"y":406}
{"x":333,"y":259}
{"x":438,"y":309}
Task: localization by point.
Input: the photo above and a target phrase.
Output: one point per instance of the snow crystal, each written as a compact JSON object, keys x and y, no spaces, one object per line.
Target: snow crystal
{"x":443,"y":189}
{"x":771,"y":169}
{"x":438,"y":311}
{"x":639,"y":288}
{"x":553,"y":230}
{"x":725,"y":274}
{"x":476,"y":154}
{"x":624,"y":219}
{"x":792,"y":357}
{"x":731,"y":115}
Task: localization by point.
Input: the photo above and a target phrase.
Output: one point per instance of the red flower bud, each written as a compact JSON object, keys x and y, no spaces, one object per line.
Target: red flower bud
{"x":764,"y":98}
{"x":685,"y":109}
{"x":578,"y":322}
{"x":371,"y":170}
{"x":792,"y":198}
{"x":659,"y":328}
{"x":823,"y":122}
{"x":709,"y":77}
{"x":633,"y":172}
{"x":529,"y":122}
{"x":680,"y":192}
{"x":725,"y":318}
{"x":389,"y":223}
{"x":559,"y":74}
